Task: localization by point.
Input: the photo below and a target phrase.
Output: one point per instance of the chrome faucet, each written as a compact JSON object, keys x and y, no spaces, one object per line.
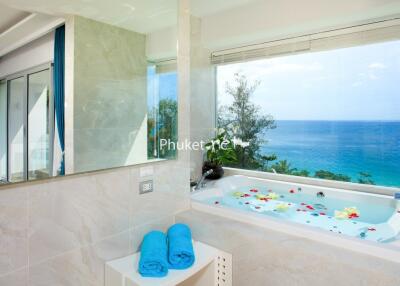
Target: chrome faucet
{"x":200,"y":184}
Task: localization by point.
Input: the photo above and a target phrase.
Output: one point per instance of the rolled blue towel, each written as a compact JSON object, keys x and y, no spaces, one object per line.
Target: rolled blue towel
{"x":180,"y":247}
{"x":153,"y":255}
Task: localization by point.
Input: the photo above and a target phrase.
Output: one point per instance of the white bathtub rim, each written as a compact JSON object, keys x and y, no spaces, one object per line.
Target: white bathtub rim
{"x":332,"y":190}
{"x":362,"y":188}
{"x":387,"y":251}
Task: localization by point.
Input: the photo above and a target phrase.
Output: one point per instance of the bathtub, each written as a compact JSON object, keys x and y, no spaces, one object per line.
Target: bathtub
{"x":363,"y":222}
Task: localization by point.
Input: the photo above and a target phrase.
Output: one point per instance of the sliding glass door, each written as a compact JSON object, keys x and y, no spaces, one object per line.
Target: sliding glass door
{"x":26,"y":125}
{"x":3,"y":131}
{"x":39,"y":127}
{"x":16,"y":128}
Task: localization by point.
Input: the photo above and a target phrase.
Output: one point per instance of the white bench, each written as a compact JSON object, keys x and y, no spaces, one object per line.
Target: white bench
{"x":212,"y":267}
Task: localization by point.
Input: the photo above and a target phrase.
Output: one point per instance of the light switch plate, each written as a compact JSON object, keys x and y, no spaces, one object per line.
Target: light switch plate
{"x":145,"y":187}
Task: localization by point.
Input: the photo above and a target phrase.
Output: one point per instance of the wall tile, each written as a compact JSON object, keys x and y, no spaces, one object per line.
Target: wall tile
{"x":137,"y":233}
{"x":17,"y":278}
{"x":266,"y":257}
{"x":155,"y":206}
{"x":165,"y":182}
{"x":80,"y":267}
{"x":13,"y":229}
{"x":77,"y":211}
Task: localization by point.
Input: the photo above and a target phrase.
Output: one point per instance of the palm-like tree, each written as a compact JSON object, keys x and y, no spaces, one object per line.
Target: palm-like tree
{"x":283,"y":167}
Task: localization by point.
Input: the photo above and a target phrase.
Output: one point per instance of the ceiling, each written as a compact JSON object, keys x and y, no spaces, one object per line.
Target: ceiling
{"x":9,"y":17}
{"x":143,"y":16}
{"x":17,"y":27}
{"x":201,"y":8}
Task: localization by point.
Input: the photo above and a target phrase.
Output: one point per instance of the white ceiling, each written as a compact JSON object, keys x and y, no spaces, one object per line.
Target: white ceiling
{"x":143,"y":16}
{"x":9,"y":17}
{"x":201,"y":8}
{"x":17,"y":27}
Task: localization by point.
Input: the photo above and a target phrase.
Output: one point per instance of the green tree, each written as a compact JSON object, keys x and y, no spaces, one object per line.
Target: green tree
{"x":283,"y":167}
{"x":365,"y":178}
{"x":301,"y":173}
{"x":162,"y":124}
{"x":243,"y":119}
{"x":265,"y":159}
{"x":323,"y":174}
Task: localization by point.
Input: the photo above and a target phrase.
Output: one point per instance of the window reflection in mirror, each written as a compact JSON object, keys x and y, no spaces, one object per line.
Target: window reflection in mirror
{"x":163,"y":109}
{"x":92,"y":92}
{"x":3,"y":132}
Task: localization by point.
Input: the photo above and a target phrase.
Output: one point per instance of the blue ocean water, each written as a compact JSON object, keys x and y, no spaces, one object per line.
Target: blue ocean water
{"x":346,"y":147}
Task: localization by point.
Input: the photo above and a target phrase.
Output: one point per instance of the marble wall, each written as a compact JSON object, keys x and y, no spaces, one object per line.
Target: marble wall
{"x":61,"y":231}
{"x":202,"y":95}
{"x":110,"y":96}
{"x":264,"y":257}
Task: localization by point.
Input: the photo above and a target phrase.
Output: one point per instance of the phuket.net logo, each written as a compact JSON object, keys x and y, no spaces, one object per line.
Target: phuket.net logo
{"x":221,"y":142}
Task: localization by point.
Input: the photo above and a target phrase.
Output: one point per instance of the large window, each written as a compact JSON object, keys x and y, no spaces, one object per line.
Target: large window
{"x":331,"y":114}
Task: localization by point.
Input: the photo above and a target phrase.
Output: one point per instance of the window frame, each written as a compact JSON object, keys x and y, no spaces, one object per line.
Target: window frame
{"x":25,"y":75}
{"x":376,"y":32}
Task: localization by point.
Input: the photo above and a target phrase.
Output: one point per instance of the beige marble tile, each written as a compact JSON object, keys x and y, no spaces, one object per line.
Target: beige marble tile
{"x":80,"y":267}
{"x":16,"y":278}
{"x":13,"y":229}
{"x":157,"y":205}
{"x":110,"y":96}
{"x":137,"y":233}
{"x":266,"y":257}
{"x":170,"y":195}
{"x":77,"y":211}
{"x":172,"y":177}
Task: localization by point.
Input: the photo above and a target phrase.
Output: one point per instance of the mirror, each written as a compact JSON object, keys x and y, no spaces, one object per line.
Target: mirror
{"x":85,"y":87}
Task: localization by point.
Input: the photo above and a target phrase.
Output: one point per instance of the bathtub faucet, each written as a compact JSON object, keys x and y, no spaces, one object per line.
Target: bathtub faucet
{"x":200,"y":184}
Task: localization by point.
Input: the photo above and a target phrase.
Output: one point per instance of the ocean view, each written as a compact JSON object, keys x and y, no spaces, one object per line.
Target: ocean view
{"x":345,"y":147}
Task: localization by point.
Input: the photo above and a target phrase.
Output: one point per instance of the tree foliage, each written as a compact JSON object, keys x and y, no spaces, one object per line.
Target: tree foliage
{"x":243,"y":119}
{"x":365,"y":178}
{"x":323,"y":174}
{"x":162,"y":124}
{"x":284,"y":167}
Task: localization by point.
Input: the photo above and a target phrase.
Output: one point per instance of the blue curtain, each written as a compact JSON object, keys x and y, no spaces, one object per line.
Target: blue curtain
{"x":59,"y":62}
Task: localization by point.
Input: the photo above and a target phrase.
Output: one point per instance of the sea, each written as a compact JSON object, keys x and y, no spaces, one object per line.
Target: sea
{"x":345,"y":147}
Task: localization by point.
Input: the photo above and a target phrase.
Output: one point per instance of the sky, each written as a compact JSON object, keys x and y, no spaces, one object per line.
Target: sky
{"x":357,"y":83}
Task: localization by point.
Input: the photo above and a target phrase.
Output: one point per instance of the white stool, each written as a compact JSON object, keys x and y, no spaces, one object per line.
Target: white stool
{"x":212,"y":267}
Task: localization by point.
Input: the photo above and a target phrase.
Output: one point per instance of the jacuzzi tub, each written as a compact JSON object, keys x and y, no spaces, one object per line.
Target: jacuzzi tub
{"x":359,"y":221}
